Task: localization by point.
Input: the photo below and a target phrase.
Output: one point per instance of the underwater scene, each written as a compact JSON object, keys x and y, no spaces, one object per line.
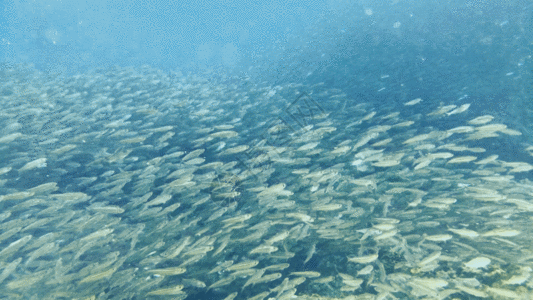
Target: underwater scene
{"x":351,"y":177}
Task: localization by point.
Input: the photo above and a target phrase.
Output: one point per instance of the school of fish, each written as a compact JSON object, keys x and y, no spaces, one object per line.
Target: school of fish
{"x":132,"y":184}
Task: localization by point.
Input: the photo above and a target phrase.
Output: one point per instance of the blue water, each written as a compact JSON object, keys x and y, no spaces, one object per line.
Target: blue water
{"x":405,"y":49}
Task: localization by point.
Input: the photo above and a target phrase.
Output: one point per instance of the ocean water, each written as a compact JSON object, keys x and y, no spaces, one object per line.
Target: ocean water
{"x":323,"y":150}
